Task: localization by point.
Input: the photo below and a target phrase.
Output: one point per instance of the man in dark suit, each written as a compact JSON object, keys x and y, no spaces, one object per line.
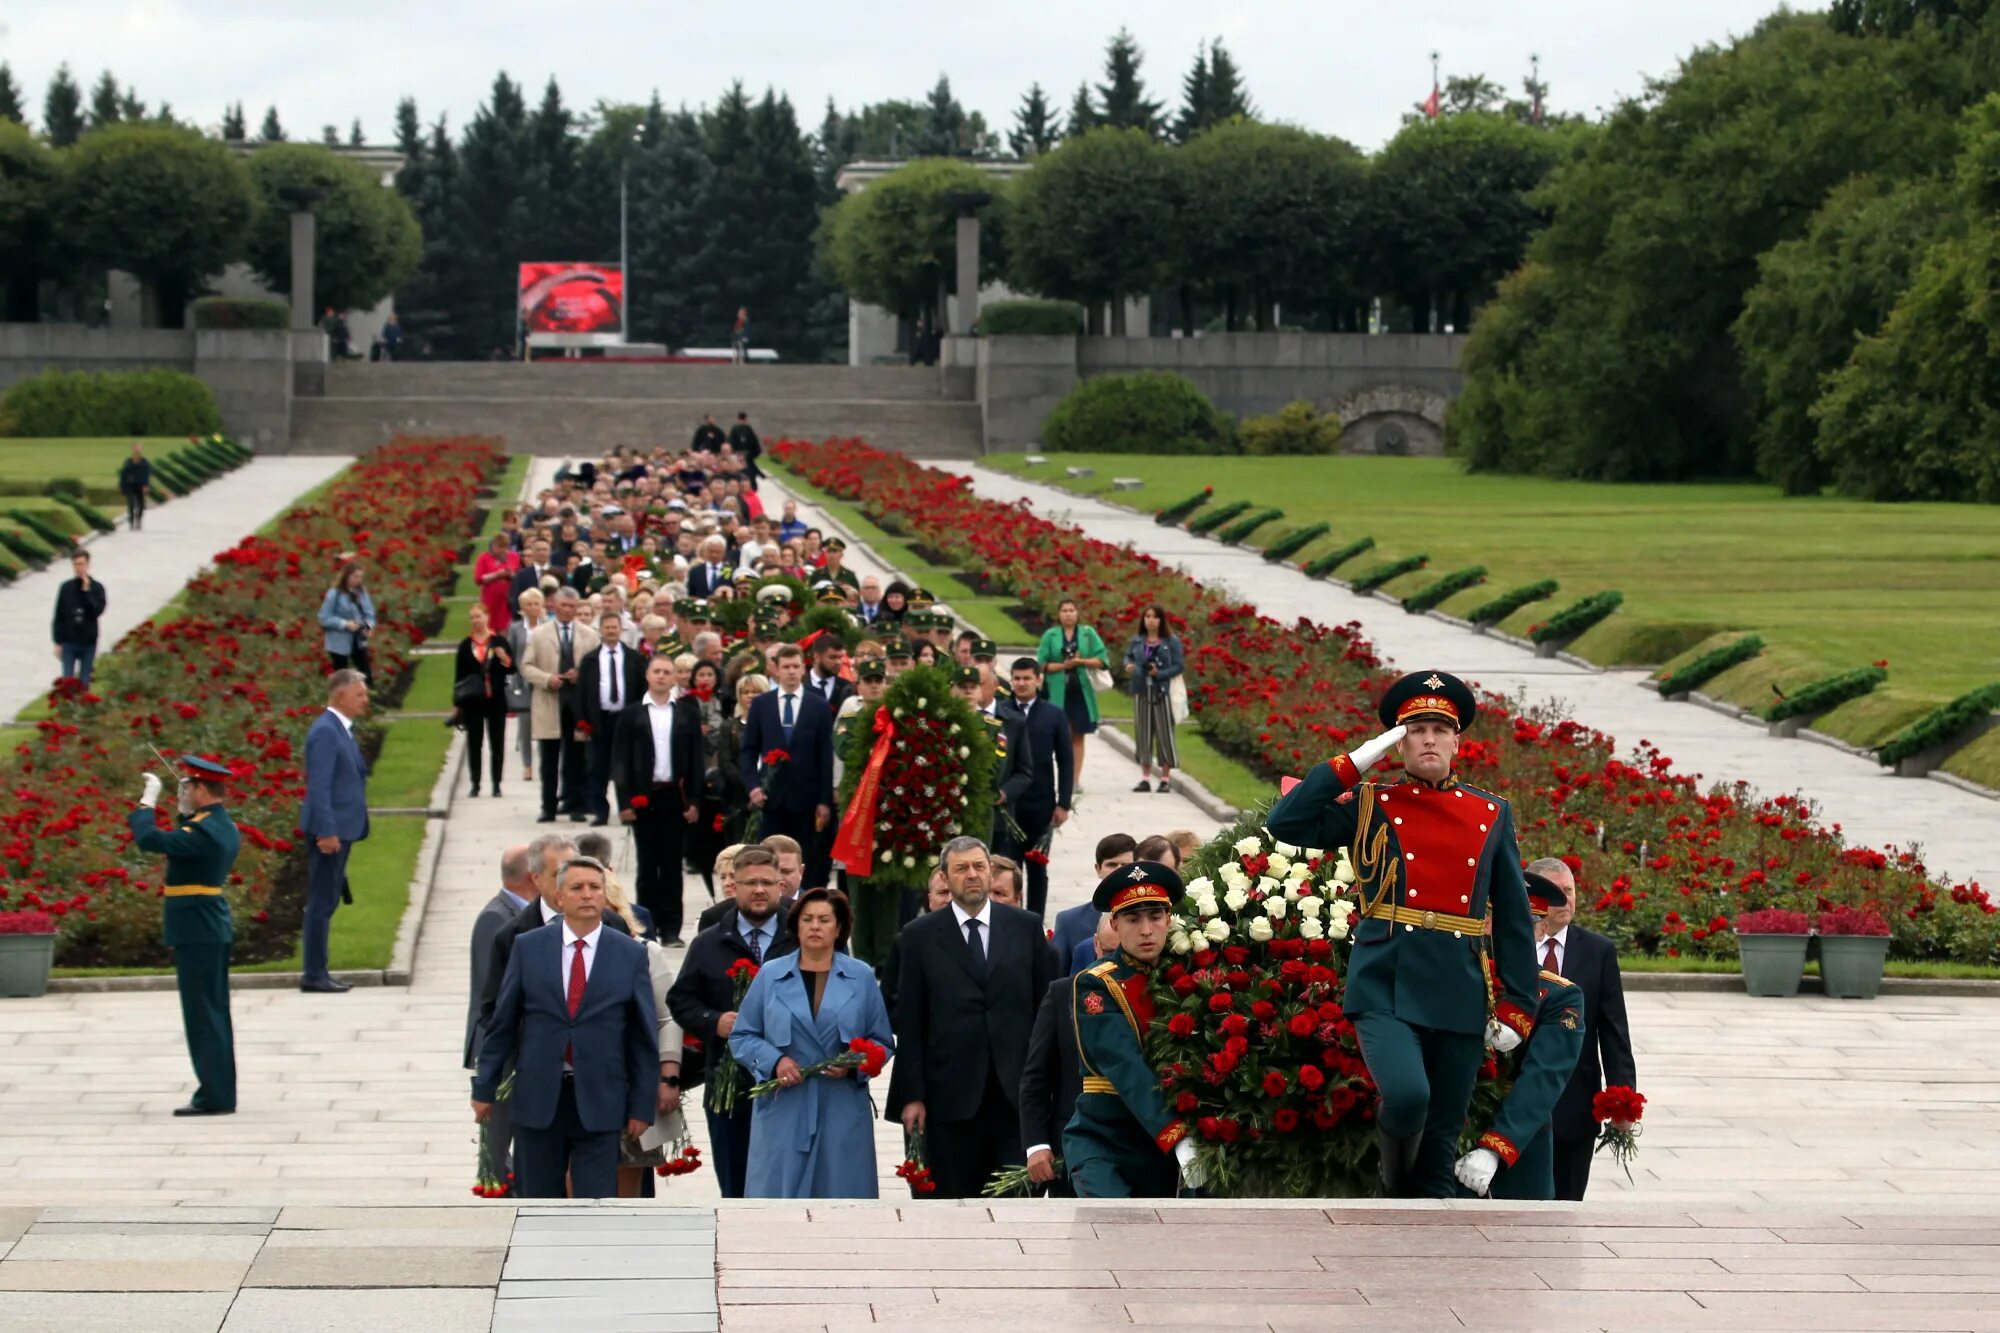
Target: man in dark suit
{"x":1590,"y":961}
{"x":608,"y":682}
{"x":1077,"y":926}
{"x":712,"y":570}
{"x":703,"y":999}
{"x":576,"y":1019}
{"x":529,"y":575}
{"x":656,"y":767}
{"x":796,"y":796}
{"x":334,"y":817}
{"x":972,"y":977}
{"x":517,"y":892}
{"x":829,"y":654}
{"x":1051,"y":1081}
{"x":1045,"y":805}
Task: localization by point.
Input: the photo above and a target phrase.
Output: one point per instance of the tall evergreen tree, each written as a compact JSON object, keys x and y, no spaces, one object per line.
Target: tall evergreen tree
{"x":1082,"y":112}
{"x":104,"y":108}
{"x":62,"y":110}
{"x":1036,"y":127}
{"x":271,"y":131}
{"x":355,"y":138}
{"x":1227,"y":96}
{"x":673,"y":253}
{"x":233,"y":128}
{"x":329,"y":134}
{"x":10,"y":97}
{"x":1194,"y":113}
{"x":944,"y":123}
{"x":1122,"y":97}
{"x":837,"y":143}
{"x":492,"y":214}
{"x":433,"y":303}
{"x":554,"y":198}
{"x":130,"y":107}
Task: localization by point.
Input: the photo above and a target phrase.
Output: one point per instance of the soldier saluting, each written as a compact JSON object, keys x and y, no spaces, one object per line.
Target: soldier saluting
{"x":201,"y":851}
{"x":1432,"y":856}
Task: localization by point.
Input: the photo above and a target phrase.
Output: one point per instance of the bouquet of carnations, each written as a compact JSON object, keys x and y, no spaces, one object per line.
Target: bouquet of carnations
{"x":913,"y":1171}
{"x":861,"y":1053}
{"x":491,"y":1184}
{"x":1618,"y":1109}
{"x":722,"y":1066}
{"x":683,"y":1158}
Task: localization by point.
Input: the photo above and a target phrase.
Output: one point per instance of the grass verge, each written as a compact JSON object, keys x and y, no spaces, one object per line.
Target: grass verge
{"x":407,"y":766}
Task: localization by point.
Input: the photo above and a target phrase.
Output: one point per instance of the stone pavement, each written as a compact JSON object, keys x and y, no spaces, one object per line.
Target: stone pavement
{"x":141,"y":571}
{"x":1959,"y":832}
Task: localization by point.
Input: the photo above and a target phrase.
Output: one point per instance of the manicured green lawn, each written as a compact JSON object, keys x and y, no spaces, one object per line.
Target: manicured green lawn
{"x":1830,"y":584}
{"x":430,"y":686}
{"x":407,"y":766}
{"x":94,"y":462}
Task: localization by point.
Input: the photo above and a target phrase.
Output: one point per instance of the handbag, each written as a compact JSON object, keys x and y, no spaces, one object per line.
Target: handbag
{"x":519,"y":698}
{"x":1100,"y":680}
{"x":1177,"y":700}
{"x":468,"y":689}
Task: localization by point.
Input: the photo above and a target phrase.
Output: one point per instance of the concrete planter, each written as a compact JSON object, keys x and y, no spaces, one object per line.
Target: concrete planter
{"x":24,"y":964}
{"x":1772,"y":964}
{"x":1851,"y":965}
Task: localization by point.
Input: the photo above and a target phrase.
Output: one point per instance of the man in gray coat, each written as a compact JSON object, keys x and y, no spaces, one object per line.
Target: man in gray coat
{"x":517,"y":890}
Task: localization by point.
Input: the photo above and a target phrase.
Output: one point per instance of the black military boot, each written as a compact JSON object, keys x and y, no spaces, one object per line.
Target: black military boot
{"x":1399,"y":1162}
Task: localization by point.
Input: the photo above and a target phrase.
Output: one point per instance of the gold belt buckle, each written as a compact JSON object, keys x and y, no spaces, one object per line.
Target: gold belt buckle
{"x":1430,"y":920}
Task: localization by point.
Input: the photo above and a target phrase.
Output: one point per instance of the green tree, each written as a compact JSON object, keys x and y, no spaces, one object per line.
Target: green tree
{"x":894,"y":244}
{"x":29,"y":186}
{"x":944,"y":132}
{"x":555,"y":183}
{"x":1094,"y":221}
{"x":1082,"y":113}
{"x":835,"y":145}
{"x":164,"y":204}
{"x":366,"y":240}
{"x":10,"y":97}
{"x":673,"y":253}
{"x":1211,"y":93}
{"x":131,"y":108}
{"x":62,"y":110}
{"x":271,"y":131}
{"x":1122,"y":96}
{"x":104,"y":108}
{"x":355,"y":139}
{"x":432,"y":304}
{"x":1037,"y":128}
{"x":329,"y":135}
{"x":492,"y":216}
{"x":232,"y":123}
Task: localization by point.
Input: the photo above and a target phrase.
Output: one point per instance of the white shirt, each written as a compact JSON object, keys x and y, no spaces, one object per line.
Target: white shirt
{"x":607,"y":675}
{"x":985,"y":920}
{"x":570,"y":938}
{"x":822,"y":685}
{"x":798,"y":707}
{"x":661,"y":715}
{"x":1561,"y":940}
{"x":551,"y":914}
{"x":346,"y":722}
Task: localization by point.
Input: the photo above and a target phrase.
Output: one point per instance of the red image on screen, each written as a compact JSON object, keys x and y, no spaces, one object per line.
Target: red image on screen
{"x":572,"y":298}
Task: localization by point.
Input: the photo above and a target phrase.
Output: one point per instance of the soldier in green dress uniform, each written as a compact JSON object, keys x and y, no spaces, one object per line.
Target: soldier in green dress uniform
{"x":201,"y":851}
{"x":1516,"y":1157}
{"x":1124,"y":1142}
{"x":1433,"y":856}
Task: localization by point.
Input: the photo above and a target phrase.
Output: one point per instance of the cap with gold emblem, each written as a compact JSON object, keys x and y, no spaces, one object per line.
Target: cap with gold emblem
{"x":964,"y":676}
{"x":1543,"y":893}
{"x":984,"y":650}
{"x":871,"y":668}
{"x":1141,"y":884}
{"x":1428,"y":694}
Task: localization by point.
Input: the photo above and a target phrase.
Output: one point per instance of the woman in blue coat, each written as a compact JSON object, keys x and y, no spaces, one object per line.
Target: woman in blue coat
{"x":347,"y":615}
{"x":814,"y":1138}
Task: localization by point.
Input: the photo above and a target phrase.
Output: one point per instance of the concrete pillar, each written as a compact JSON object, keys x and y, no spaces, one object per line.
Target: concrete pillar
{"x":302,"y":269}
{"x":968,"y":272}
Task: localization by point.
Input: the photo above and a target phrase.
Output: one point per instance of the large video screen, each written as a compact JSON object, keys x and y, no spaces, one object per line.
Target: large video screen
{"x":572,"y":298}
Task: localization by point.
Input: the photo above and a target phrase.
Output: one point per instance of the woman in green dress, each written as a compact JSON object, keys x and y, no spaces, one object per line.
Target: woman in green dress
{"x":1070,"y":650}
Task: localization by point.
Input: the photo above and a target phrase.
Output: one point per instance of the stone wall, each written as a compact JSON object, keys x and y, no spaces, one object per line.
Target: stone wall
{"x":1017,"y":383}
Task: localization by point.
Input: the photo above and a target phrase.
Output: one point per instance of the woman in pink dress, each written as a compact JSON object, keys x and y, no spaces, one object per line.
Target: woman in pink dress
{"x":494,"y":572}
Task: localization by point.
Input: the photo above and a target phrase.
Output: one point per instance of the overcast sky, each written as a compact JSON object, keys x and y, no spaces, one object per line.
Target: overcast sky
{"x":1335,"y":66}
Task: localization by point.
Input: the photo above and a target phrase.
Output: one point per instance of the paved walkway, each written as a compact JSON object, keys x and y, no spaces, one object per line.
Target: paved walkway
{"x":142,"y":571}
{"x":1958,"y":832}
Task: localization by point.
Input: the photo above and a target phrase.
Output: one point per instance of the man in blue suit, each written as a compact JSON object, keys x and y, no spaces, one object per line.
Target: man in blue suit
{"x":335,"y":816}
{"x":794,"y":797}
{"x":576,"y":1020}
{"x":1076,"y":927}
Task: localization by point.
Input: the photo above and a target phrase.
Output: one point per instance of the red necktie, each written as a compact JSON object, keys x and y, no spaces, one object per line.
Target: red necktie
{"x":576,"y":979}
{"x":1548,"y":965}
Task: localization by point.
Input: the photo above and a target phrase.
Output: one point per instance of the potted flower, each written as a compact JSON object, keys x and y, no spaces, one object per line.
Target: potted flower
{"x":1772,"y":944}
{"x":1853,"y":946}
{"x":27,"y":948}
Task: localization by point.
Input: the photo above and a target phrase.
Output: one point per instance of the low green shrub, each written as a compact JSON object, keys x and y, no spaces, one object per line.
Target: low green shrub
{"x":1394,"y":569}
{"x":47,"y":532}
{"x":1180,"y":509}
{"x":1435,"y":594}
{"x":241,"y":312}
{"x":25,"y":547}
{"x":1248,"y":524}
{"x":1577,"y":617}
{"x":1711,"y":664}
{"x":1939,"y":725}
{"x":61,"y":486}
{"x":1203,"y":524}
{"x":1148,"y":412}
{"x":1030,"y":317}
{"x":1507,"y":603}
{"x":88,"y":512}
{"x":1320,"y":566}
{"x":1295,"y":428}
{"x":1826,"y":693}
{"x":1291,"y":543}
{"x":67,"y":404}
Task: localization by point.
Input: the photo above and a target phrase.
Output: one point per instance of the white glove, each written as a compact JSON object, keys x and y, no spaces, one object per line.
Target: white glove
{"x":1191,"y":1175}
{"x":1501,"y":1037}
{"x":1475,"y":1170}
{"x":1364,"y":758}
{"x":150,"y":794}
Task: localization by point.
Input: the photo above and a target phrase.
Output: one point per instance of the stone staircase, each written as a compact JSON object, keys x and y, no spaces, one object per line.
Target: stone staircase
{"x":566,"y":408}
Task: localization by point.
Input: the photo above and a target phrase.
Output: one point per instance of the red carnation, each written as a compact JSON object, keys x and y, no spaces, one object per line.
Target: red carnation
{"x":1185,"y":1102}
{"x":772,"y":758}
{"x":641,"y":802}
{"x":1303,"y":1025}
{"x":1181,"y":1025}
{"x":1235,"y":1025}
{"x":1310,"y":1078}
{"x":1236,"y":954}
{"x":873,"y":1055}
{"x":1220,"y":1001}
{"x":1618,"y":1104}
{"x":1275,"y":1084}
{"x":1183,"y":986}
{"x":1284,"y":1120}
{"x":1264,"y":1011}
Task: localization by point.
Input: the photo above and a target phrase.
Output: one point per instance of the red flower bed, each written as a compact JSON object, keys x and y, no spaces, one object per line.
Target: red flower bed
{"x":238,"y":674}
{"x":1664,"y":860}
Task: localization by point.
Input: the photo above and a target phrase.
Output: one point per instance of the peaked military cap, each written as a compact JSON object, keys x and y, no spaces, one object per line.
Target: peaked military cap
{"x":1543,"y":893}
{"x":964,"y":675}
{"x":1430,"y":694}
{"x":196,"y":767}
{"x":871,"y":668}
{"x":1141,"y":884}
{"x":984,"y":650}
{"x":901,"y":651}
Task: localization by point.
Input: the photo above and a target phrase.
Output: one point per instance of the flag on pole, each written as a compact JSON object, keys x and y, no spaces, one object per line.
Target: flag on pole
{"x":1431,"y":104}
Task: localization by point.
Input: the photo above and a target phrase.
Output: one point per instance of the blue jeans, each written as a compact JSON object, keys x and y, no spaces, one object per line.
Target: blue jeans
{"x":79,"y":660}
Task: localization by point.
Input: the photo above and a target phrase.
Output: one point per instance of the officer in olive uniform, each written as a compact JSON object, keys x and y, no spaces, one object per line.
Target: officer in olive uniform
{"x":1432,"y":857}
{"x":843,"y":574}
{"x":1124,"y":1142}
{"x":1516,"y":1158}
{"x":201,"y":851}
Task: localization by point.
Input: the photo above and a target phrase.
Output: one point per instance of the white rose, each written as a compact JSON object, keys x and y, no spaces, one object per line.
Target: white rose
{"x":1280,"y":863}
{"x":1343,"y":871}
{"x":1268,"y":886}
{"x":1232,"y":875}
{"x":963,"y":752}
{"x":1217,"y":930}
{"x":1274,"y":907}
{"x":1235,"y":899}
{"x":1249,"y":846}
{"x":1283,"y":848}
{"x":1198,"y":887}
{"x":1313,"y":853}
{"x":1342,"y":908}
{"x":1311,"y":929}
{"x":1339,"y":928}
{"x":1180,"y":943}
{"x":909,"y":862}
{"x":923,"y":702}
{"x":1260,"y":930}
{"x":1206,"y":905}
{"x":1310,"y":907}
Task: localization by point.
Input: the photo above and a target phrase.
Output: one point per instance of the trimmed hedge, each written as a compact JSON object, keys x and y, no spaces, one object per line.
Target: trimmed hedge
{"x":1248,"y":524}
{"x":1294,"y":429}
{"x":1826,"y":693}
{"x":68,"y":404}
{"x":1423,"y":599}
{"x":241,"y":312}
{"x":1203,"y":524}
{"x":47,"y":532}
{"x":1030,"y":318}
{"x":1295,"y":541}
{"x":1180,"y":509}
{"x":1577,"y":617}
{"x":26,"y":547}
{"x":1381,"y":574}
{"x":1507,"y":603}
{"x":1148,"y":412}
{"x":1320,"y":566}
{"x":1711,"y":664}
{"x":88,"y":512}
{"x":1939,"y":725}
